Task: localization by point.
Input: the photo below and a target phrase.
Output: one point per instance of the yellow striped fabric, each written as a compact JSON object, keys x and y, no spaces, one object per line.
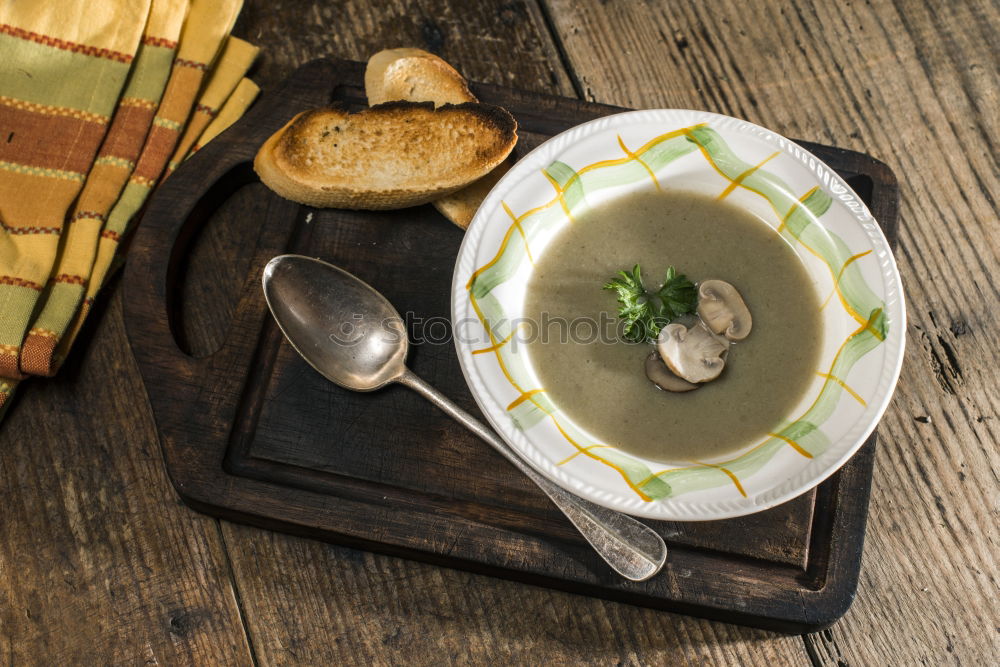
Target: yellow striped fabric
{"x":107,"y":100}
{"x":237,"y":104}
{"x":235,"y":59}
{"x":63,"y":66}
{"x":114,"y":165}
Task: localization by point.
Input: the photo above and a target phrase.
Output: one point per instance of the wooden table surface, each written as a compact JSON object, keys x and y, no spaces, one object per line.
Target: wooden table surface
{"x":100,"y":563}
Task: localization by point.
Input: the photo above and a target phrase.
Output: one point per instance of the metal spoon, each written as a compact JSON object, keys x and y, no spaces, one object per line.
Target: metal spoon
{"x":354,"y":337}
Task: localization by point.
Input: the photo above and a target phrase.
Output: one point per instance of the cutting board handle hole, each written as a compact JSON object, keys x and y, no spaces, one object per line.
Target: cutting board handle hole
{"x":202,"y":292}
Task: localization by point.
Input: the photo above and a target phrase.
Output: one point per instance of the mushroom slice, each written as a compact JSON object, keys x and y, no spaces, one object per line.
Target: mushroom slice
{"x":695,"y":354}
{"x":662,"y":377}
{"x":722,"y":309}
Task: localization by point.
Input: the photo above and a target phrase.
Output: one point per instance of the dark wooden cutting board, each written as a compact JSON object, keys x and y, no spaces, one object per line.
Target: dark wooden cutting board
{"x":251,"y":433}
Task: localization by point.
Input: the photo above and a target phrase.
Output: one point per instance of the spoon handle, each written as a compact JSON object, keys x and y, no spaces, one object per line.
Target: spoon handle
{"x":631,"y":548}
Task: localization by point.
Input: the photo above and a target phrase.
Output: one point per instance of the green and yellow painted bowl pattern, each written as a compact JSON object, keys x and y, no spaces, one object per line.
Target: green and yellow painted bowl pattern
{"x":826,"y":223}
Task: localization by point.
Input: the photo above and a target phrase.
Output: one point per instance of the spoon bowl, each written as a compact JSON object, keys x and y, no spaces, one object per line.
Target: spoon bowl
{"x":342,"y":327}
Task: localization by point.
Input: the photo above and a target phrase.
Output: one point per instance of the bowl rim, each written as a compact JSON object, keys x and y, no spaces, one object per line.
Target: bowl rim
{"x":793,"y":486}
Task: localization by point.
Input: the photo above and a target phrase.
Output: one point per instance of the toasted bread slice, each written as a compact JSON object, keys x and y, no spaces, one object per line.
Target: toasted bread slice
{"x":416,"y":76}
{"x":419,"y":76}
{"x":388,"y":156}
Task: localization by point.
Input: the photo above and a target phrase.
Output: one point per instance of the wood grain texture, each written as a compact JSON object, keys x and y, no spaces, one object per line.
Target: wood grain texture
{"x":916,"y":86}
{"x":100,"y":563}
{"x":318,"y":604}
{"x":505,"y":43}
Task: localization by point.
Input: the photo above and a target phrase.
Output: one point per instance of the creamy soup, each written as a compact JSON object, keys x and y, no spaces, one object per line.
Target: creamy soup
{"x":601,"y":385}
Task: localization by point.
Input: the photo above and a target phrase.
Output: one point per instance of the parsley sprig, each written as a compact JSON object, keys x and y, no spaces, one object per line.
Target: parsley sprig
{"x":644,"y":312}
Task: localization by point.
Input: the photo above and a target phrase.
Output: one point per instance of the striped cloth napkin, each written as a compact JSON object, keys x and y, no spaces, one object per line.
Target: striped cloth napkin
{"x":98,"y":103}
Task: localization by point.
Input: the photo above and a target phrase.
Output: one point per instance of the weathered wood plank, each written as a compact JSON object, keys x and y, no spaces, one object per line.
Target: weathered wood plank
{"x":99,"y":561}
{"x":311,"y":603}
{"x":498,"y":42}
{"x":916,"y":86}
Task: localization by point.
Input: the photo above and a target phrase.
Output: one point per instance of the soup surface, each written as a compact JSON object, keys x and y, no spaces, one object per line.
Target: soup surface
{"x":601,"y":384}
